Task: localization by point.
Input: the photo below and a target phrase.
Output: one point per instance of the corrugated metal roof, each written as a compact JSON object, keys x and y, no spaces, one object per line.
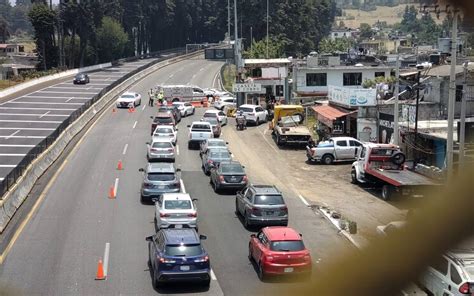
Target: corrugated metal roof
{"x":445,"y":70}
{"x":331,"y":112}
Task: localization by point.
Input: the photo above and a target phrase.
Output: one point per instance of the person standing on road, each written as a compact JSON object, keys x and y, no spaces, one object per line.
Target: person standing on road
{"x":159,"y":96}
{"x":150,"y":98}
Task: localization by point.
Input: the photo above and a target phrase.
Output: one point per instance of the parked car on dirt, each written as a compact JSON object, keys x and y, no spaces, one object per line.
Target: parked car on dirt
{"x":279,"y":251}
{"x":261,"y":205}
{"x":335,"y":149}
{"x":254,"y":113}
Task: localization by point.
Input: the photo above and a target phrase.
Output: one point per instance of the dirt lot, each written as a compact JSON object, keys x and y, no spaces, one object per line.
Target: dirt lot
{"x":391,"y":15}
{"x":318,"y":184}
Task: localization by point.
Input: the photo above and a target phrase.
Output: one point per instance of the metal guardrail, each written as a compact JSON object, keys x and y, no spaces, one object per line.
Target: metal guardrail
{"x":18,"y":171}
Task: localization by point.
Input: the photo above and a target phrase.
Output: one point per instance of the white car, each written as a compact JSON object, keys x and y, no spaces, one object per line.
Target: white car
{"x":129,"y":98}
{"x":161,"y":150}
{"x":218,"y":114}
{"x":175,"y":210}
{"x":165,"y":132}
{"x":254,"y":113}
{"x":222,"y":102}
{"x":185,"y":108}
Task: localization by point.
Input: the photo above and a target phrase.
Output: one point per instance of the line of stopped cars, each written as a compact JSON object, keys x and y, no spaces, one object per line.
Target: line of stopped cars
{"x":176,"y":252}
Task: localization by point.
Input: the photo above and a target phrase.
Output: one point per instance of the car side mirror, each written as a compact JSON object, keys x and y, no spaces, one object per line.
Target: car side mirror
{"x":243,"y":167}
{"x":149,"y":238}
{"x":178,"y":169}
{"x":301,"y":235}
{"x":195,"y":199}
{"x":253,"y":235}
{"x":148,"y":143}
{"x":151,"y":117}
{"x":202,"y":237}
{"x":177,"y":129}
{"x":141,"y":170}
{"x":227,"y":143}
{"x":188,"y":125}
{"x":155,"y":199}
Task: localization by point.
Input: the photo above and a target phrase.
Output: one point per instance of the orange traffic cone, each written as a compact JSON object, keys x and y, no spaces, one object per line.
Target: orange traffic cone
{"x":111,"y":192}
{"x":100,"y":271}
{"x":119,"y":165}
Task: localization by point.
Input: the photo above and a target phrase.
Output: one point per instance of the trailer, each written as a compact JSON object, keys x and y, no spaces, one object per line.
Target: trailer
{"x":182,"y":93}
{"x":384,"y":165}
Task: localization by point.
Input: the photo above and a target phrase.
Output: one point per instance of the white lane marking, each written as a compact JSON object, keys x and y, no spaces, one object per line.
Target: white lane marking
{"x":183,"y":189}
{"x":22,"y":137}
{"x":47,"y":112}
{"x":201,"y":69}
{"x":194,"y":76}
{"x":266,"y":140}
{"x":29,"y":121}
{"x":143,"y":108}
{"x":13,"y":145}
{"x":8,"y":137}
{"x":64,"y":92}
{"x":12,"y":155}
{"x":213,"y":275}
{"x":306,"y":203}
{"x":43,"y":103}
{"x":106,"y":258}
{"x":125,"y":149}
{"x":171,"y":75}
{"x":67,"y":101}
{"x":116,"y":186}
{"x":55,"y":109}
{"x":50,"y":98}
{"x":27,"y":128}
{"x":7,"y":165}
{"x":135,"y":124}
{"x":33,"y":115}
{"x":214,"y":80}
{"x":177,"y":149}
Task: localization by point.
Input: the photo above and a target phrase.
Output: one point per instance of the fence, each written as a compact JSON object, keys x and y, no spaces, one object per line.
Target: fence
{"x":18,"y":171}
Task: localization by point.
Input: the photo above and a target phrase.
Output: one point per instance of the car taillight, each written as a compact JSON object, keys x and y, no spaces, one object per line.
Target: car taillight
{"x":162,"y":215}
{"x":193,"y":215}
{"x":177,"y":185}
{"x":202,"y":259}
{"x":147,"y":185}
{"x":464,"y":289}
{"x":154,"y":150}
{"x":210,"y":161}
{"x":170,"y":150}
{"x":245,"y":179}
{"x":165,"y":260}
{"x":284,"y":209}
{"x":221,"y":178}
{"x":255,"y":210}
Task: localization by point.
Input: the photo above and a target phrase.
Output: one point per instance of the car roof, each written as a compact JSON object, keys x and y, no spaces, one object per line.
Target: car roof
{"x":164,"y":114}
{"x":176,"y":196}
{"x":249,"y":106}
{"x":215,"y":140}
{"x":232,"y":162}
{"x":178,"y":236}
{"x":160,"y":167}
{"x":161,"y":140}
{"x":164,"y":126}
{"x":212,"y":111}
{"x":265,"y":189}
{"x":281,"y":233}
{"x":129,"y":93}
{"x":200,"y":122}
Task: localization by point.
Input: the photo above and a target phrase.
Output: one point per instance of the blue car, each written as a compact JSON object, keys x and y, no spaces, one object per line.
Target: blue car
{"x":177,"y":255}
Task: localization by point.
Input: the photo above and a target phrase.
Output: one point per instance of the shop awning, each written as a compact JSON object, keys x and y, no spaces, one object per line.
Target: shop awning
{"x":330,"y":112}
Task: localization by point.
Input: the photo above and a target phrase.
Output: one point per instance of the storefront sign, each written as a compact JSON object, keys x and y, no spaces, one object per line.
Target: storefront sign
{"x":385,"y":128}
{"x":247,"y":87}
{"x":352,"y":97}
{"x":367,"y":129}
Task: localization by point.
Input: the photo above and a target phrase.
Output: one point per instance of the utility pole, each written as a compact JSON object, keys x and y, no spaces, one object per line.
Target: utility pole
{"x":416,"y":115}
{"x":236,"y":37}
{"x":452,"y":98}
{"x":462,"y":131}
{"x":228,"y":19}
{"x":268,"y":15}
{"x":396,"y":107}
{"x":251,"y":40}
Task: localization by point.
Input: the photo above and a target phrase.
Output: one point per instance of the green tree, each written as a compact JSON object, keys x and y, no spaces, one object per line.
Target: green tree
{"x":409,"y":21}
{"x":258,"y":50}
{"x":111,"y":39}
{"x":327,"y":45}
{"x":366,"y":31}
{"x":43,"y":21}
{"x":4,"y":30}
{"x":429,"y":31}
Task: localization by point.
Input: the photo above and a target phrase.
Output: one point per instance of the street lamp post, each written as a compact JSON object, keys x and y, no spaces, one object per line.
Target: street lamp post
{"x":267,"y":26}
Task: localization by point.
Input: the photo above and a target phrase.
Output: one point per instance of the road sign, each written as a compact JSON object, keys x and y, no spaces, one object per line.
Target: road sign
{"x":247,"y":87}
{"x":219,"y":54}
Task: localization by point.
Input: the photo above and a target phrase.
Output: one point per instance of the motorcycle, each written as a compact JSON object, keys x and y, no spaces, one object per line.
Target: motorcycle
{"x":241,"y":122}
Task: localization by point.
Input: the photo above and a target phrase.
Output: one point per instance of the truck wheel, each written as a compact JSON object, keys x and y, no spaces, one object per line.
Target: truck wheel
{"x":279,"y":142}
{"x":327,"y":159}
{"x":387,"y":192}
{"x":354,"y":177}
{"x":257,"y":122}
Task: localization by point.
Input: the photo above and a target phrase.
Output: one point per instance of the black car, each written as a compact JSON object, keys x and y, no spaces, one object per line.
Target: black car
{"x":178,"y":255}
{"x":261,"y":205}
{"x":172,"y":109}
{"x":228,"y":175}
{"x":81,"y":78}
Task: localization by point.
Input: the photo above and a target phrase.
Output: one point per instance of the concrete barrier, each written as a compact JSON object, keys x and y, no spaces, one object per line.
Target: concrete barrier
{"x":22,"y":86}
{"x":13,"y":199}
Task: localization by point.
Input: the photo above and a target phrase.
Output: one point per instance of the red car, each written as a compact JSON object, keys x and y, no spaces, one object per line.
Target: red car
{"x":162,"y":118}
{"x":279,"y":251}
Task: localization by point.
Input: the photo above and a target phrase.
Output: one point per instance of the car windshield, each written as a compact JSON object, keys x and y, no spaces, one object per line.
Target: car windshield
{"x":245,"y":109}
{"x":162,"y":145}
{"x":219,"y":154}
{"x":287,"y":246}
{"x":178,"y":205}
{"x":212,"y":120}
{"x":80,"y":76}
{"x":163,"y":131}
{"x":232,"y":169}
{"x":382,"y":152}
{"x":200,"y":128}
{"x":165,"y":119}
{"x":127,"y":96}
{"x":216,"y":144}
{"x":160,"y":177}
{"x":163,"y":109}
{"x":269,"y":200}
{"x":210,"y":114}
{"x":184,"y":250}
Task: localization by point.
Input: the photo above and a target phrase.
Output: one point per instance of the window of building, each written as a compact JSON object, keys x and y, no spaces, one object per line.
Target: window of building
{"x":352,"y":79}
{"x":316,"y":79}
{"x":379,"y":74}
{"x":459,"y":91}
{"x":257,"y":72}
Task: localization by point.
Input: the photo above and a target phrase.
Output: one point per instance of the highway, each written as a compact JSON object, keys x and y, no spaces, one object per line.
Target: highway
{"x":58,"y":249}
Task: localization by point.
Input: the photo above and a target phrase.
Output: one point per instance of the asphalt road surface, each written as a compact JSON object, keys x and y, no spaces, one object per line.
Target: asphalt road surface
{"x":27,"y":120}
{"x":58,"y":250}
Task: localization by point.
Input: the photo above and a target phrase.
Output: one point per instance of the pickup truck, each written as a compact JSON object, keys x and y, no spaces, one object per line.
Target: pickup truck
{"x":289,"y":131}
{"x":383,"y":165}
{"x":199,"y":131}
{"x":336,"y":149}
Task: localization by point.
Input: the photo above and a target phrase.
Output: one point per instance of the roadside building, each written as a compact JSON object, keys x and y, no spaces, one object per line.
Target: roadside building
{"x":342,"y":33}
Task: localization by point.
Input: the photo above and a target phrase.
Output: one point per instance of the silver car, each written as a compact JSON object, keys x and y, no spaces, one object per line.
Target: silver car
{"x":213,"y":157}
{"x":175,"y":210}
{"x":161,"y":149}
{"x":165,"y":132}
{"x":211,"y":143}
{"x":158,"y":179}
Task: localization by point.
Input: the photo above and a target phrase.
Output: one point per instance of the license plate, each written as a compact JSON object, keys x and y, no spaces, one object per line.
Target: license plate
{"x":269,"y":213}
{"x":184,"y":268}
{"x":288,"y":269}
{"x":161,"y":187}
{"x":179,"y":226}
